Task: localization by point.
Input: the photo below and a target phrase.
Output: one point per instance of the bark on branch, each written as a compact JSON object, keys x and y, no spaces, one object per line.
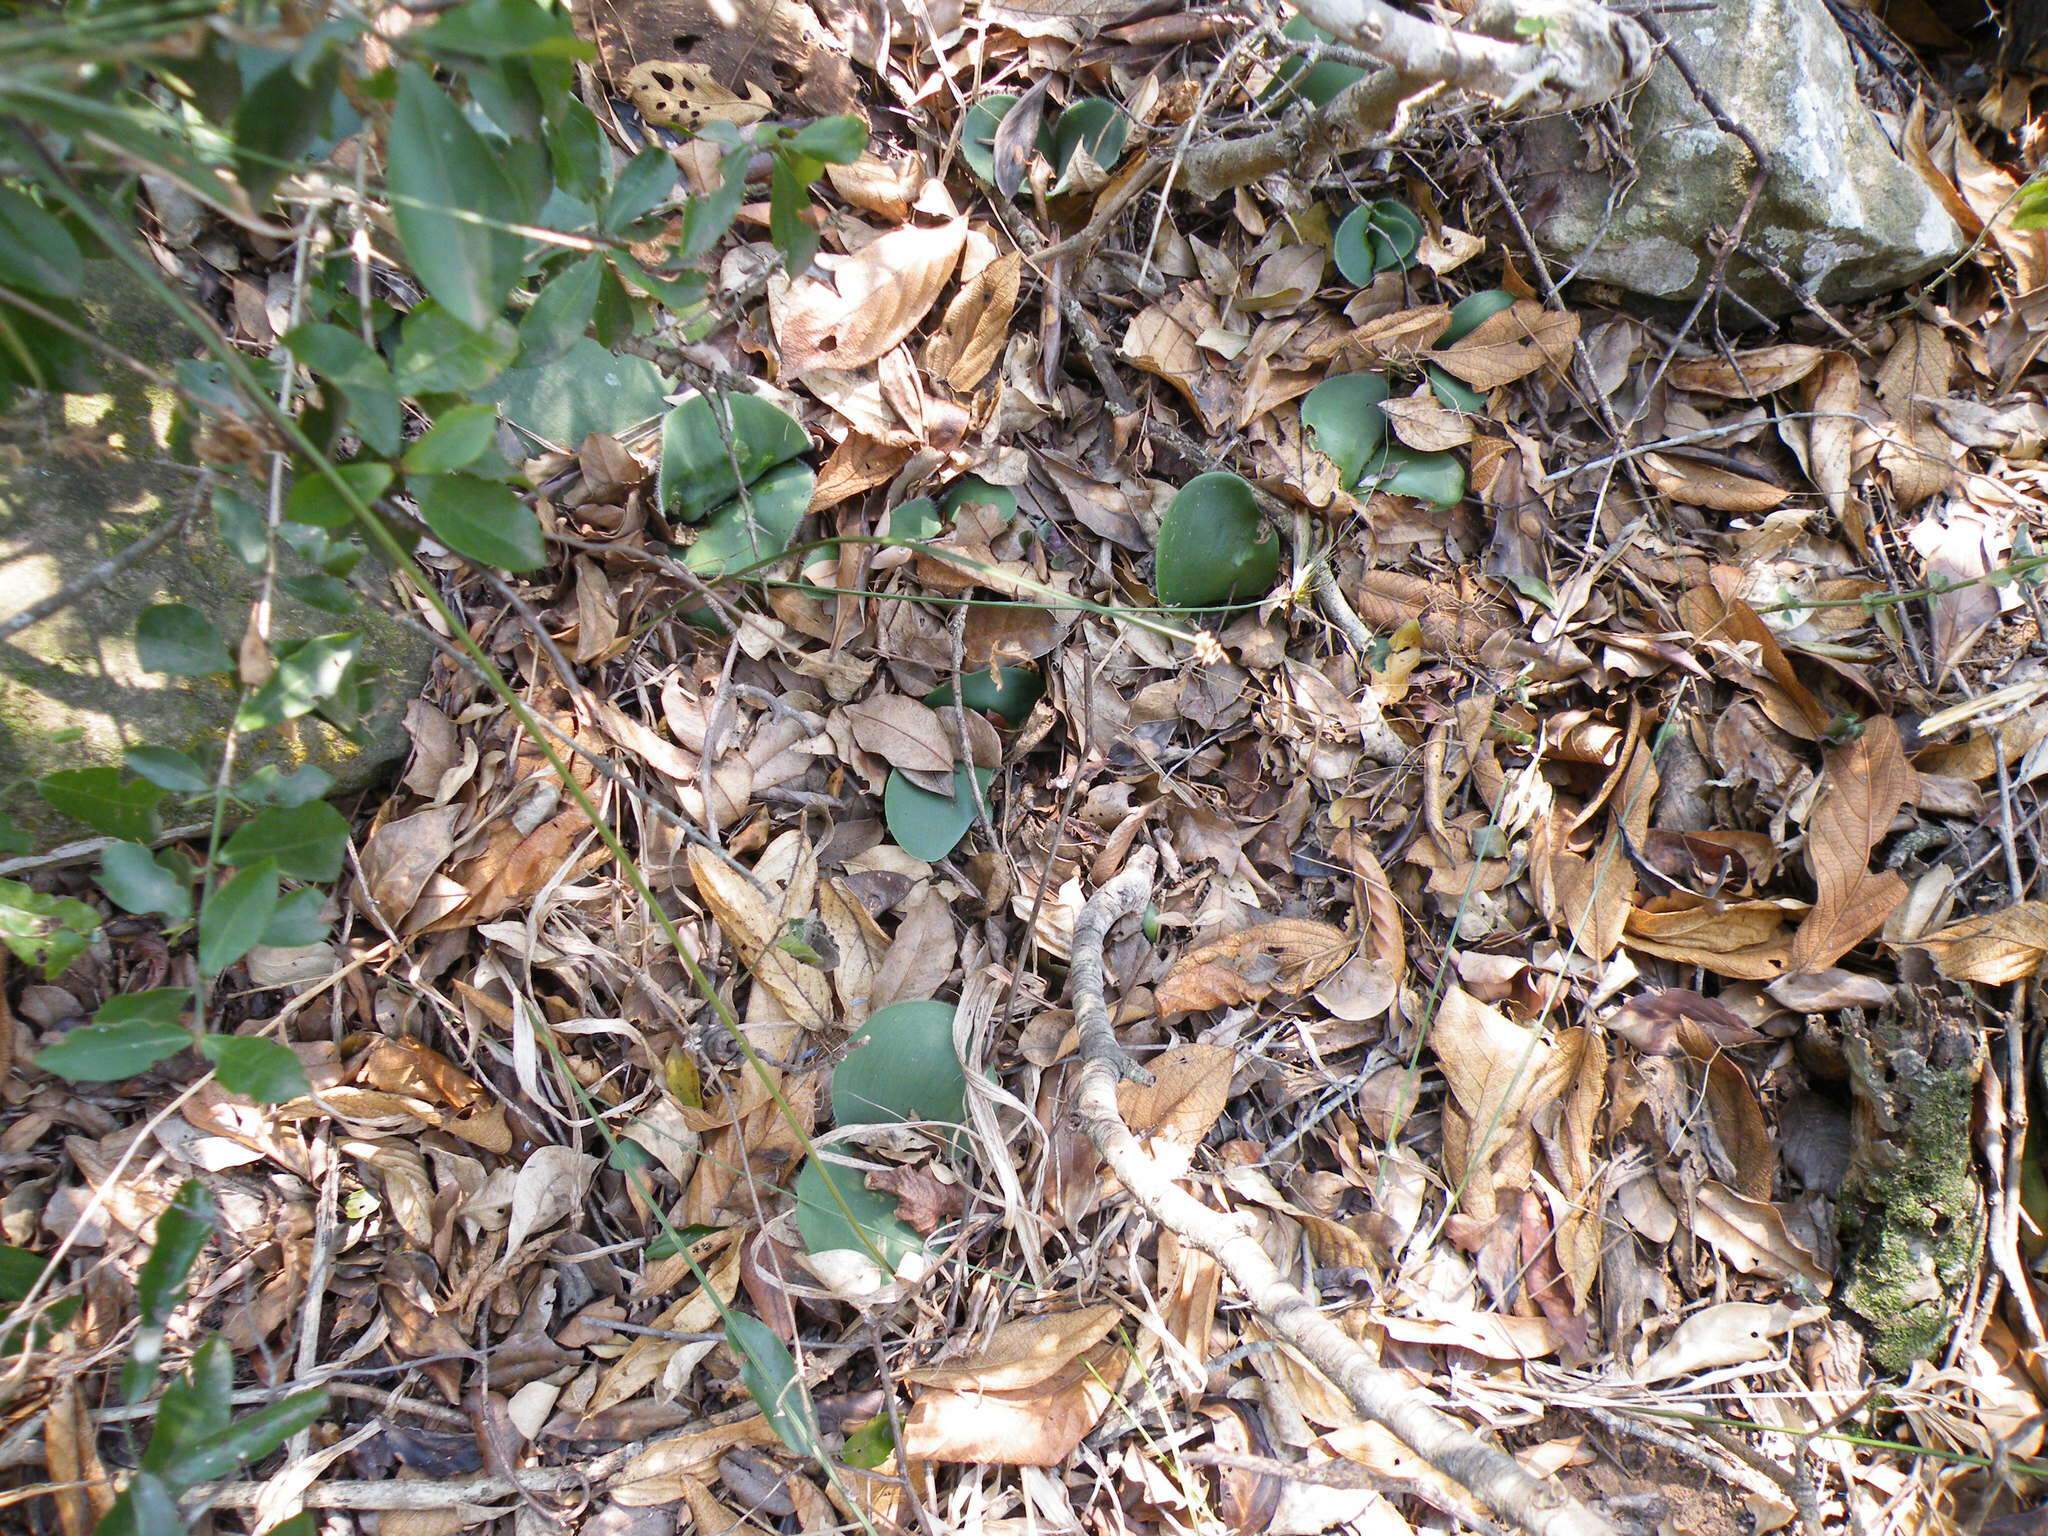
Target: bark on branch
{"x":1388,"y":1399}
{"x":1523,"y":55}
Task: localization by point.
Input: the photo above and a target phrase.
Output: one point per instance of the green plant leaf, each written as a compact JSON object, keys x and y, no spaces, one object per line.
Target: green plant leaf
{"x":973,"y":489}
{"x":872,"y":1444}
{"x":647,"y":179}
{"x":1008,"y":695}
{"x":1375,"y":238}
{"x":254,"y":1067}
{"x":1100,"y":127}
{"x":1321,"y":81}
{"x":297,"y":921}
{"x":279,"y":117}
{"x":757,"y":527}
{"x":978,"y":134}
{"x":771,"y":1379}
{"x":148,"y":1506}
{"x":928,"y":826}
{"x":180,"y":641}
{"x":254,"y":1434}
{"x":193,"y":1407}
{"x":874,"y":1231}
{"x":901,"y":1065}
{"x":130,"y":874}
{"x":44,"y":930}
{"x":306,"y":676}
{"x":271,"y":785}
{"x":315,"y":501}
{"x":585,"y":390}
{"x":241,"y":526}
{"x":788,"y":201}
{"x":701,"y":470}
{"x":708,"y":215}
{"x":12,"y":838}
{"x":168,"y":768}
{"x":181,"y":1231}
{"x":107,"y":1053}
{"x":838,"y":140}
{"x":1344,"y":420}
{"x":158,"y":1005}
{"x":461,"y":436}
{"x":306,"y":841}
{"x":1472,"y":311}
{"x":326,"y":593}
{"x":37,"y":253}
{"x":916,"y":518}
{"x":504,"y":29}
{"x":104,"y":800}
{"x":482,"y":519}
{"x":1438,"y":478}
{"x":1214,"y":547}
{"x":232,"y":921}
{"x":449,"y":191}
{"x":440,"y":353}
{"x":1453,"y":394}
{"x":560,"y":312}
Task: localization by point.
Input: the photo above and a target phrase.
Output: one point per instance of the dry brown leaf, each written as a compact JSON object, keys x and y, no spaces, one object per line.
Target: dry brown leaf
{"x":1743,"y":939}
{"x":1730,"y":1333}
{"x":1834,"y":394}
{"x":1025,"y":1352}
{"x":902,"y":732}
{"x":1748,"y":375}
{"x":1182,"y":1105}
{"x":1752,"y":1235}
{"x":1286,"y":955}
{"x":1708,"y":485}
{"x":1915,"y":374}
{"x":976,"y":324}
{"x":924,"y":1202}
{"x":875,"y":299}
{"x":1511,"y":345}
{"x":755,"y":926}
{"x":1867,"y":782}
{"x":1992,"y":947}
{"x":1425,"y":425}
{"x":1160,"y":341}
{"x":1038,"y":1426}
{"x":1500,"y":1074}
{"x":1716,"y":617}
{"x":683,"y":95}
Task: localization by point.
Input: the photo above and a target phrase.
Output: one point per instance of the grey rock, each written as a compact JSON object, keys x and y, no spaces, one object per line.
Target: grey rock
{"x":81,"y":478}
{"x":1840,"y":212}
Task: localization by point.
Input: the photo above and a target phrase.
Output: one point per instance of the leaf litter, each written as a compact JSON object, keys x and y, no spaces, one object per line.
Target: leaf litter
{"x":1595,"y":924}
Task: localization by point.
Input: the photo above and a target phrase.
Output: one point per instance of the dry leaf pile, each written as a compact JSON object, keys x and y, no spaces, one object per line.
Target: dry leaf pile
{"x":1636,"y":1050}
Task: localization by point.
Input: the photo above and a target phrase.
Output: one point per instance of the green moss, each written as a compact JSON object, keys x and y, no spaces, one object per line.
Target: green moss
{"x":1913,"y":1217}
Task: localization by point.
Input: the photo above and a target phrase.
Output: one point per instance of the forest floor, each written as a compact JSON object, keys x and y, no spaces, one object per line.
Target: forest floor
{"x":1593,"y":900}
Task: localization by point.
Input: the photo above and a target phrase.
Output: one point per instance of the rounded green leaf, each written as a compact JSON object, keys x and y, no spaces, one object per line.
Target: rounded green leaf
{"x":254,"y":1067}
{"x":916,"y":518}
{"x":483,"y":519}
{"x":978,"y":134}
{"x":1214,"y":547}
{"x":1009,"y":694}
{"x":902,"y":1067}
{"x":1437,"y":478}
{"x":1454,"y":394}
{"x":1098,"y":126}
{"x":452,"y":200}
{"x":1320,"y":81}
{"x":130,"y":874}
{"x":869,"y":1226}
{"x":757,"y":527}
{"x":234,"y":917}
{"x":1374,"y":238}
{"x":307,"y":841}
{"x":106,"y":1053}
{"x":1472,"y":311}
{"x":104,"y":801}
{"x":1396,"y":234}
{"x":928,"y":826}
{"x":697,"y":461}
{"x":972,"y":488}
{"x":456,"y":441}
{"x":1343,"y":418}
{"x":178,"y":640}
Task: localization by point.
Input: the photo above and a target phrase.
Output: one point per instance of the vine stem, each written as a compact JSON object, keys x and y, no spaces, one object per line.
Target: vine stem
{"x":1384,"y":1397}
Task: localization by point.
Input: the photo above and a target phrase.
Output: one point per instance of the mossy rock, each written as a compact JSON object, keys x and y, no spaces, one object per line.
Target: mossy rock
{"x":81,"y":478}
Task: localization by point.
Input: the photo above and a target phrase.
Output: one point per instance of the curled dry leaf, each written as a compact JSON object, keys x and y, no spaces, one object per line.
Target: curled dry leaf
{"x":902,"y":732}
{"x":1709,"y":485}
{"x":1287,"y":955}
{"x":1026,"y":1399}
{"x":1181,"y":1106}
{"x":976,"y":324}
{"x":1748,"y":375}
{"x":755,"y":926}
{"x":1511,"y":345}
{"x":1992,"y":947}
{"x":1834,"y":392}
{"x":876,"y":298}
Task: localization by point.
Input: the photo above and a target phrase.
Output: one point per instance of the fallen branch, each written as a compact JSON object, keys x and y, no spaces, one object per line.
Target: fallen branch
{"x":1384,"y":1397}
{"x":1537,"y":56}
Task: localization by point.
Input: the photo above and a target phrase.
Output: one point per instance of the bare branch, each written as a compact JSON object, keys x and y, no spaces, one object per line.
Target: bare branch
{"x":1523,"y":55}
